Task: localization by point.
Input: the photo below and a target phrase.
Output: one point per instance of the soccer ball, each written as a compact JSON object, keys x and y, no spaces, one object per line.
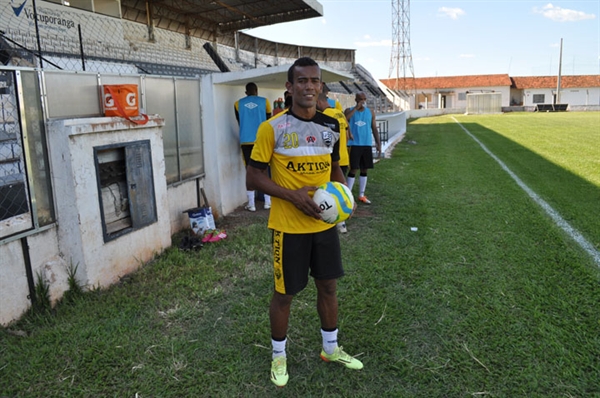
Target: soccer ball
{"x":335,"y":200}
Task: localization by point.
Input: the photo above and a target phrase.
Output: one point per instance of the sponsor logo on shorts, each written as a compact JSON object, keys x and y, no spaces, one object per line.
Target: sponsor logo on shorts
{"x":277,"y":261}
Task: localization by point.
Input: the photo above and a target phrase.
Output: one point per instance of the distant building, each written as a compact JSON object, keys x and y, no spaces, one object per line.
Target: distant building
{"x":579,"y":92}
{"x":576,"y":91}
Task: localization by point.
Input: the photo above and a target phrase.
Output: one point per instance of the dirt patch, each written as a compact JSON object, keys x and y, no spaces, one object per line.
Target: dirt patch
{"x":241,"y":217}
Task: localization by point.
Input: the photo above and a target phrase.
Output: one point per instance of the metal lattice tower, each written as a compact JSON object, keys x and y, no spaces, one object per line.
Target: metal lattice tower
{"x":401,"y":63}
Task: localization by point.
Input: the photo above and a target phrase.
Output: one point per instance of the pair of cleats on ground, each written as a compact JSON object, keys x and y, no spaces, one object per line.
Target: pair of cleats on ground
{"x":213,"y":235}
{"x":280,"y":376}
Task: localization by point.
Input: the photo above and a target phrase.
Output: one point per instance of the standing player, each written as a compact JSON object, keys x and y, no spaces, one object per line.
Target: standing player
{"x":250,"y":112}
{"x":301,"y":146}
{"x":324,"y":105}
{"x":362,"y":123}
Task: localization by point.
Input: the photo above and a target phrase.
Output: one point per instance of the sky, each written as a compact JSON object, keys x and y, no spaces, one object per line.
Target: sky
{"x":456,"y":38}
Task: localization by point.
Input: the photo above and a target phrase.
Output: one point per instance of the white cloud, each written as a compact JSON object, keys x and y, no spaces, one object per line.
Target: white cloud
{"x":366,"y":37}
{"x":467,"y":56}
{"x":562,"y":14}
{"x":453,"y":13}
{"x":381,"y":43}
{"x":324,"y":21}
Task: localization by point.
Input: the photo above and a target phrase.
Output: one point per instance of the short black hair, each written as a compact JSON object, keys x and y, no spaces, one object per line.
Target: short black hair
{"x":251,"y":87}
{"x":304,"y":61}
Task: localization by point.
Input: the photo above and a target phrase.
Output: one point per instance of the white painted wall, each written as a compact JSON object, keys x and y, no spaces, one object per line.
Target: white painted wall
{"x":452,"y":100}
{"x":571,"y":96}
{"x":44,"y":253}
{"x":13,"y":283}
{"x":396,"y":122}
{"x":80,"y":236}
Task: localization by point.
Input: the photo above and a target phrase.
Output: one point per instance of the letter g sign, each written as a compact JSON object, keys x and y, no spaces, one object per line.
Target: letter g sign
{"x":130,"y":99}
{"x":108,"y":100}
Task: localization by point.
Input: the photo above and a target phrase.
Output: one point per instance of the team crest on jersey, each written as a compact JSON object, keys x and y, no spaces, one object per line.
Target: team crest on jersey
{"x":327,"y":137}
{"x":360,"y":123}
{"x":251,"y":105}
{"x":311,"y":139}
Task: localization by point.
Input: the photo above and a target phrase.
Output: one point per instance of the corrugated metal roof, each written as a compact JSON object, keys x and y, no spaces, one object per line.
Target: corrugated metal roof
{"x":196,"y":17}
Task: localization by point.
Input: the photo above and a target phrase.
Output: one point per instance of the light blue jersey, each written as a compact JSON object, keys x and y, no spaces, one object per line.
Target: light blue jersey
{"x":252,"y":111}
{"x":360,"y":125}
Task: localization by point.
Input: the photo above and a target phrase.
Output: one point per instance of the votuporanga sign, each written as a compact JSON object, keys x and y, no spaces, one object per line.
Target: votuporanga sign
{"x":57,"y":20}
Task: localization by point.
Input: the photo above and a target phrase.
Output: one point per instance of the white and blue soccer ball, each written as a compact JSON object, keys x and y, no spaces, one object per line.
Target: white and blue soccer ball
{"x":335,"y":200}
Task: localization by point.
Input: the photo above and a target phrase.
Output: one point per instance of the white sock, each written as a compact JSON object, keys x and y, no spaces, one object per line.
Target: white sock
{"x":267,"y":200}
{"x":329,"y":341}
{"x":350,"y":182}
{"x":250,"y":195}
{"x":278,"y":348}
{"x":362,"y":185}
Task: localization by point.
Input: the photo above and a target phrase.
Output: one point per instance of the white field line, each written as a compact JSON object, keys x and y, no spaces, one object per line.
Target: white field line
{"x":561,"y":222}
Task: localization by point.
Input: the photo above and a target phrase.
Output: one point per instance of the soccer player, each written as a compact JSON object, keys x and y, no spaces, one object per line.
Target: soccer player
{"x":301,"y":146}
{"x":362,"y":123}
{"x":324,"y":105}
{"x":250,"y":112}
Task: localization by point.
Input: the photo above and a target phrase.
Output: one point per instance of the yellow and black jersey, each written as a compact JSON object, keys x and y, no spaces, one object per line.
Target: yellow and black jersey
{"x":339,"y":115}
{"x":300,"y":153}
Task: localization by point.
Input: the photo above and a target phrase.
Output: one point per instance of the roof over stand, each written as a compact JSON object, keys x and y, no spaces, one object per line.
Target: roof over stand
{"x":208,"y":19}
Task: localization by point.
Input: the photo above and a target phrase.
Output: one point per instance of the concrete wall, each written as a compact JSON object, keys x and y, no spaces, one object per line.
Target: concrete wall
{"x":396,"y":122}
{"x":46,"y":260}
{"x":80,"y":235}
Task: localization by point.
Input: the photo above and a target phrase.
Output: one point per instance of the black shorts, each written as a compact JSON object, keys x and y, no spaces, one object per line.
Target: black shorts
{"x":295,"y":256}
{"x":361,"y":157}
{"x":247,"y":151}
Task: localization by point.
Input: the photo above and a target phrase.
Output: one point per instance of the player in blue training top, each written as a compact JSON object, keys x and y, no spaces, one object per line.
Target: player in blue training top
{"x":363,"y":125}
{"x":250,"y":112}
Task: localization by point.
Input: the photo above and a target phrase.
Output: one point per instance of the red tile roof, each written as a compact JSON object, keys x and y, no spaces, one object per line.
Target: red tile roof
{"x":447,"y":82}
{"x":552,"y":81}
{"x":453,"y":81}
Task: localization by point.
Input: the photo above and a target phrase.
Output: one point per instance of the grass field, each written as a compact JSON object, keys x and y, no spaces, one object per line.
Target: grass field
{"x":489,"y":297}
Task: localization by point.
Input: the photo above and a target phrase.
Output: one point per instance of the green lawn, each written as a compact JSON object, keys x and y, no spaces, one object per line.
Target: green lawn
{"x":487,"y":298}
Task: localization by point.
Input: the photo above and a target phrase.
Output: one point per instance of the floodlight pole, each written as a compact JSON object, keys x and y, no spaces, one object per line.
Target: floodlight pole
{"x":559,"y":74}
